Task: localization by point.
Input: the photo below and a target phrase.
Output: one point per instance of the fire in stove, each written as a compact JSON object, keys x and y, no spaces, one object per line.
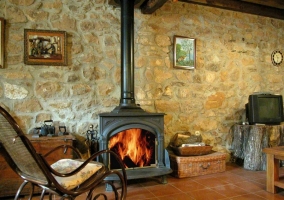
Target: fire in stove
{"x":136,"y":148}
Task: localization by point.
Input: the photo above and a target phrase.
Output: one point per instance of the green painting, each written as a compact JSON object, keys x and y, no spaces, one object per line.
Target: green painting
{"x":184,"y":52}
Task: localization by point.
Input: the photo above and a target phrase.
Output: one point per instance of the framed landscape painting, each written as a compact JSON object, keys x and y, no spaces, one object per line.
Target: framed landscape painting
{"x":184,"y":52}
{"x":45,"y":47}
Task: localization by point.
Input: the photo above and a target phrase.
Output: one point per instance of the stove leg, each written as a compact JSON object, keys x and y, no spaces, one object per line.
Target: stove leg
{"x":164,"y":179}
{"x":108,"y":187}
{"x":160,"y":179}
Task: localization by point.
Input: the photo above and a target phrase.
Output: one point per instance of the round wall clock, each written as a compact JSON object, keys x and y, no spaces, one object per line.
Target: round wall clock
{"x":276,"y":57}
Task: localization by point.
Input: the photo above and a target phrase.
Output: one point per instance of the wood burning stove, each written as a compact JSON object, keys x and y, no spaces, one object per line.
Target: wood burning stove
{"x":129,"y":116}
{"x":113,"y":123}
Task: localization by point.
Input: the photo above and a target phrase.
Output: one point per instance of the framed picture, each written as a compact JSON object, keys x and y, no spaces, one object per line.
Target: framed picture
{"x":2,"y":42}
{"x":184,"y":52}
{"x":45,"y":47}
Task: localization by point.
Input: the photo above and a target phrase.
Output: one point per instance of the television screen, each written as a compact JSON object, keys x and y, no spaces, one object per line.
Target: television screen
{"x":268,"y":108}
{"x":265,"y":109}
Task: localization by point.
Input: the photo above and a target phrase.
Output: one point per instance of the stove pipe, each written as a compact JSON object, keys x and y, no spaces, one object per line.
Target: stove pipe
{"x":127,"y":100}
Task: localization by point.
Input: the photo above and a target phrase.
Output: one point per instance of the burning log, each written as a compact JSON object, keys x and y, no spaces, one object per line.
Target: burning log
{"x":134,"y":146}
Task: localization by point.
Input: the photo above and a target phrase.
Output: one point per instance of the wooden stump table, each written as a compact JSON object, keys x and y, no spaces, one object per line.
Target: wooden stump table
{"x":248,"y":141}
{"x":273,"y":157}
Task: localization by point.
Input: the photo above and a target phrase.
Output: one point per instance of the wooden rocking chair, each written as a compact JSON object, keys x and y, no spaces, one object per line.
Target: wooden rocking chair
{"x":67,"y":178}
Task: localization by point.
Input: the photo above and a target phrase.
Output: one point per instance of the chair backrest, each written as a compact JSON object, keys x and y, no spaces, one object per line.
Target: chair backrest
{"x":18,"y":151}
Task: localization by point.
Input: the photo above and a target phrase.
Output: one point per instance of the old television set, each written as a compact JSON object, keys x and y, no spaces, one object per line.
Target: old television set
{"x":264,"y":108}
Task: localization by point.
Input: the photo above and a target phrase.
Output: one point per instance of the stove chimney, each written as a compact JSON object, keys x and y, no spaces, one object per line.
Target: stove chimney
{"x":127,"y":100}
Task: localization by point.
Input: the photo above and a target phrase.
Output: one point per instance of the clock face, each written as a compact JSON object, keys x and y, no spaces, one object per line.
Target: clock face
{"x":276,"y":57}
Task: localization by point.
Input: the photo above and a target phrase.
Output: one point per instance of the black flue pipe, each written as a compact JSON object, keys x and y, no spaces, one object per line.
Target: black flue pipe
{"x":127,"y":53}
{"x":127,"y":100}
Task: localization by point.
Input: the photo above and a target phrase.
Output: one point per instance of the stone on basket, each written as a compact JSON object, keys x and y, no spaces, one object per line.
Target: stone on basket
{"x":189,"y":145}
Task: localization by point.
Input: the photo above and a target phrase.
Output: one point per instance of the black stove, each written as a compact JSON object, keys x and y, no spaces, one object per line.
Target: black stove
{"x":128,"y":115}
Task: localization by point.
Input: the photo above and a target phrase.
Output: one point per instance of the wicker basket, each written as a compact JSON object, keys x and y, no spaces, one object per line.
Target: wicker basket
{"x":197,"y":165}
{"x":192,"y":151}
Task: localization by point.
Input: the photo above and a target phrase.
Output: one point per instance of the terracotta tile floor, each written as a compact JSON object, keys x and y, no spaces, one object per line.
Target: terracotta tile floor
{"x":235,"y":183}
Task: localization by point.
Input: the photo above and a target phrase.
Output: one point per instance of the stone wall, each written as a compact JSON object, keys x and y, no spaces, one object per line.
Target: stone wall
{"x":233,"y":61}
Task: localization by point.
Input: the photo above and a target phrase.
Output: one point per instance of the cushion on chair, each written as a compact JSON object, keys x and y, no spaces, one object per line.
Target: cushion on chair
{"x":68,"y":165}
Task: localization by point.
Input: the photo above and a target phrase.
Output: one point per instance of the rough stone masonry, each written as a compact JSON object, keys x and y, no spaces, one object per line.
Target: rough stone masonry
{"x":232,"y":61}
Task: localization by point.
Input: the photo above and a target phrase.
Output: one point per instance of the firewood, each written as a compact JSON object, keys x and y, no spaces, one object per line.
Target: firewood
{"x":180,"y":139}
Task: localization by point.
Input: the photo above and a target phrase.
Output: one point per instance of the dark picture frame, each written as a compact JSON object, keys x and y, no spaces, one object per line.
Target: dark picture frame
{"x":45,"y":47}
{"x":2,"y":41}
{"x":184,"y":52}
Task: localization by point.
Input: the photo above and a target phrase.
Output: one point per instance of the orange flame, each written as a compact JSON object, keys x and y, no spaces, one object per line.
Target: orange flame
{"x":134,"y":145}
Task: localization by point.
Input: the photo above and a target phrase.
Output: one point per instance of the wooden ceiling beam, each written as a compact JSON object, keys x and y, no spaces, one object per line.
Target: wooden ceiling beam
{"x":267,"y":8}
{"x":116,"y":3}
{"x":146,"y":6}
{"x":271,"y":3}
{"x":242,"y":6}
{"x":150,"y":6}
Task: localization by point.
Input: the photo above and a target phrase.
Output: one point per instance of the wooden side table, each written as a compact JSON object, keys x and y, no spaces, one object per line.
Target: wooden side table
{"x":10,"y":181}
{"x":45,"y":144}
{"x":273,"y":156}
